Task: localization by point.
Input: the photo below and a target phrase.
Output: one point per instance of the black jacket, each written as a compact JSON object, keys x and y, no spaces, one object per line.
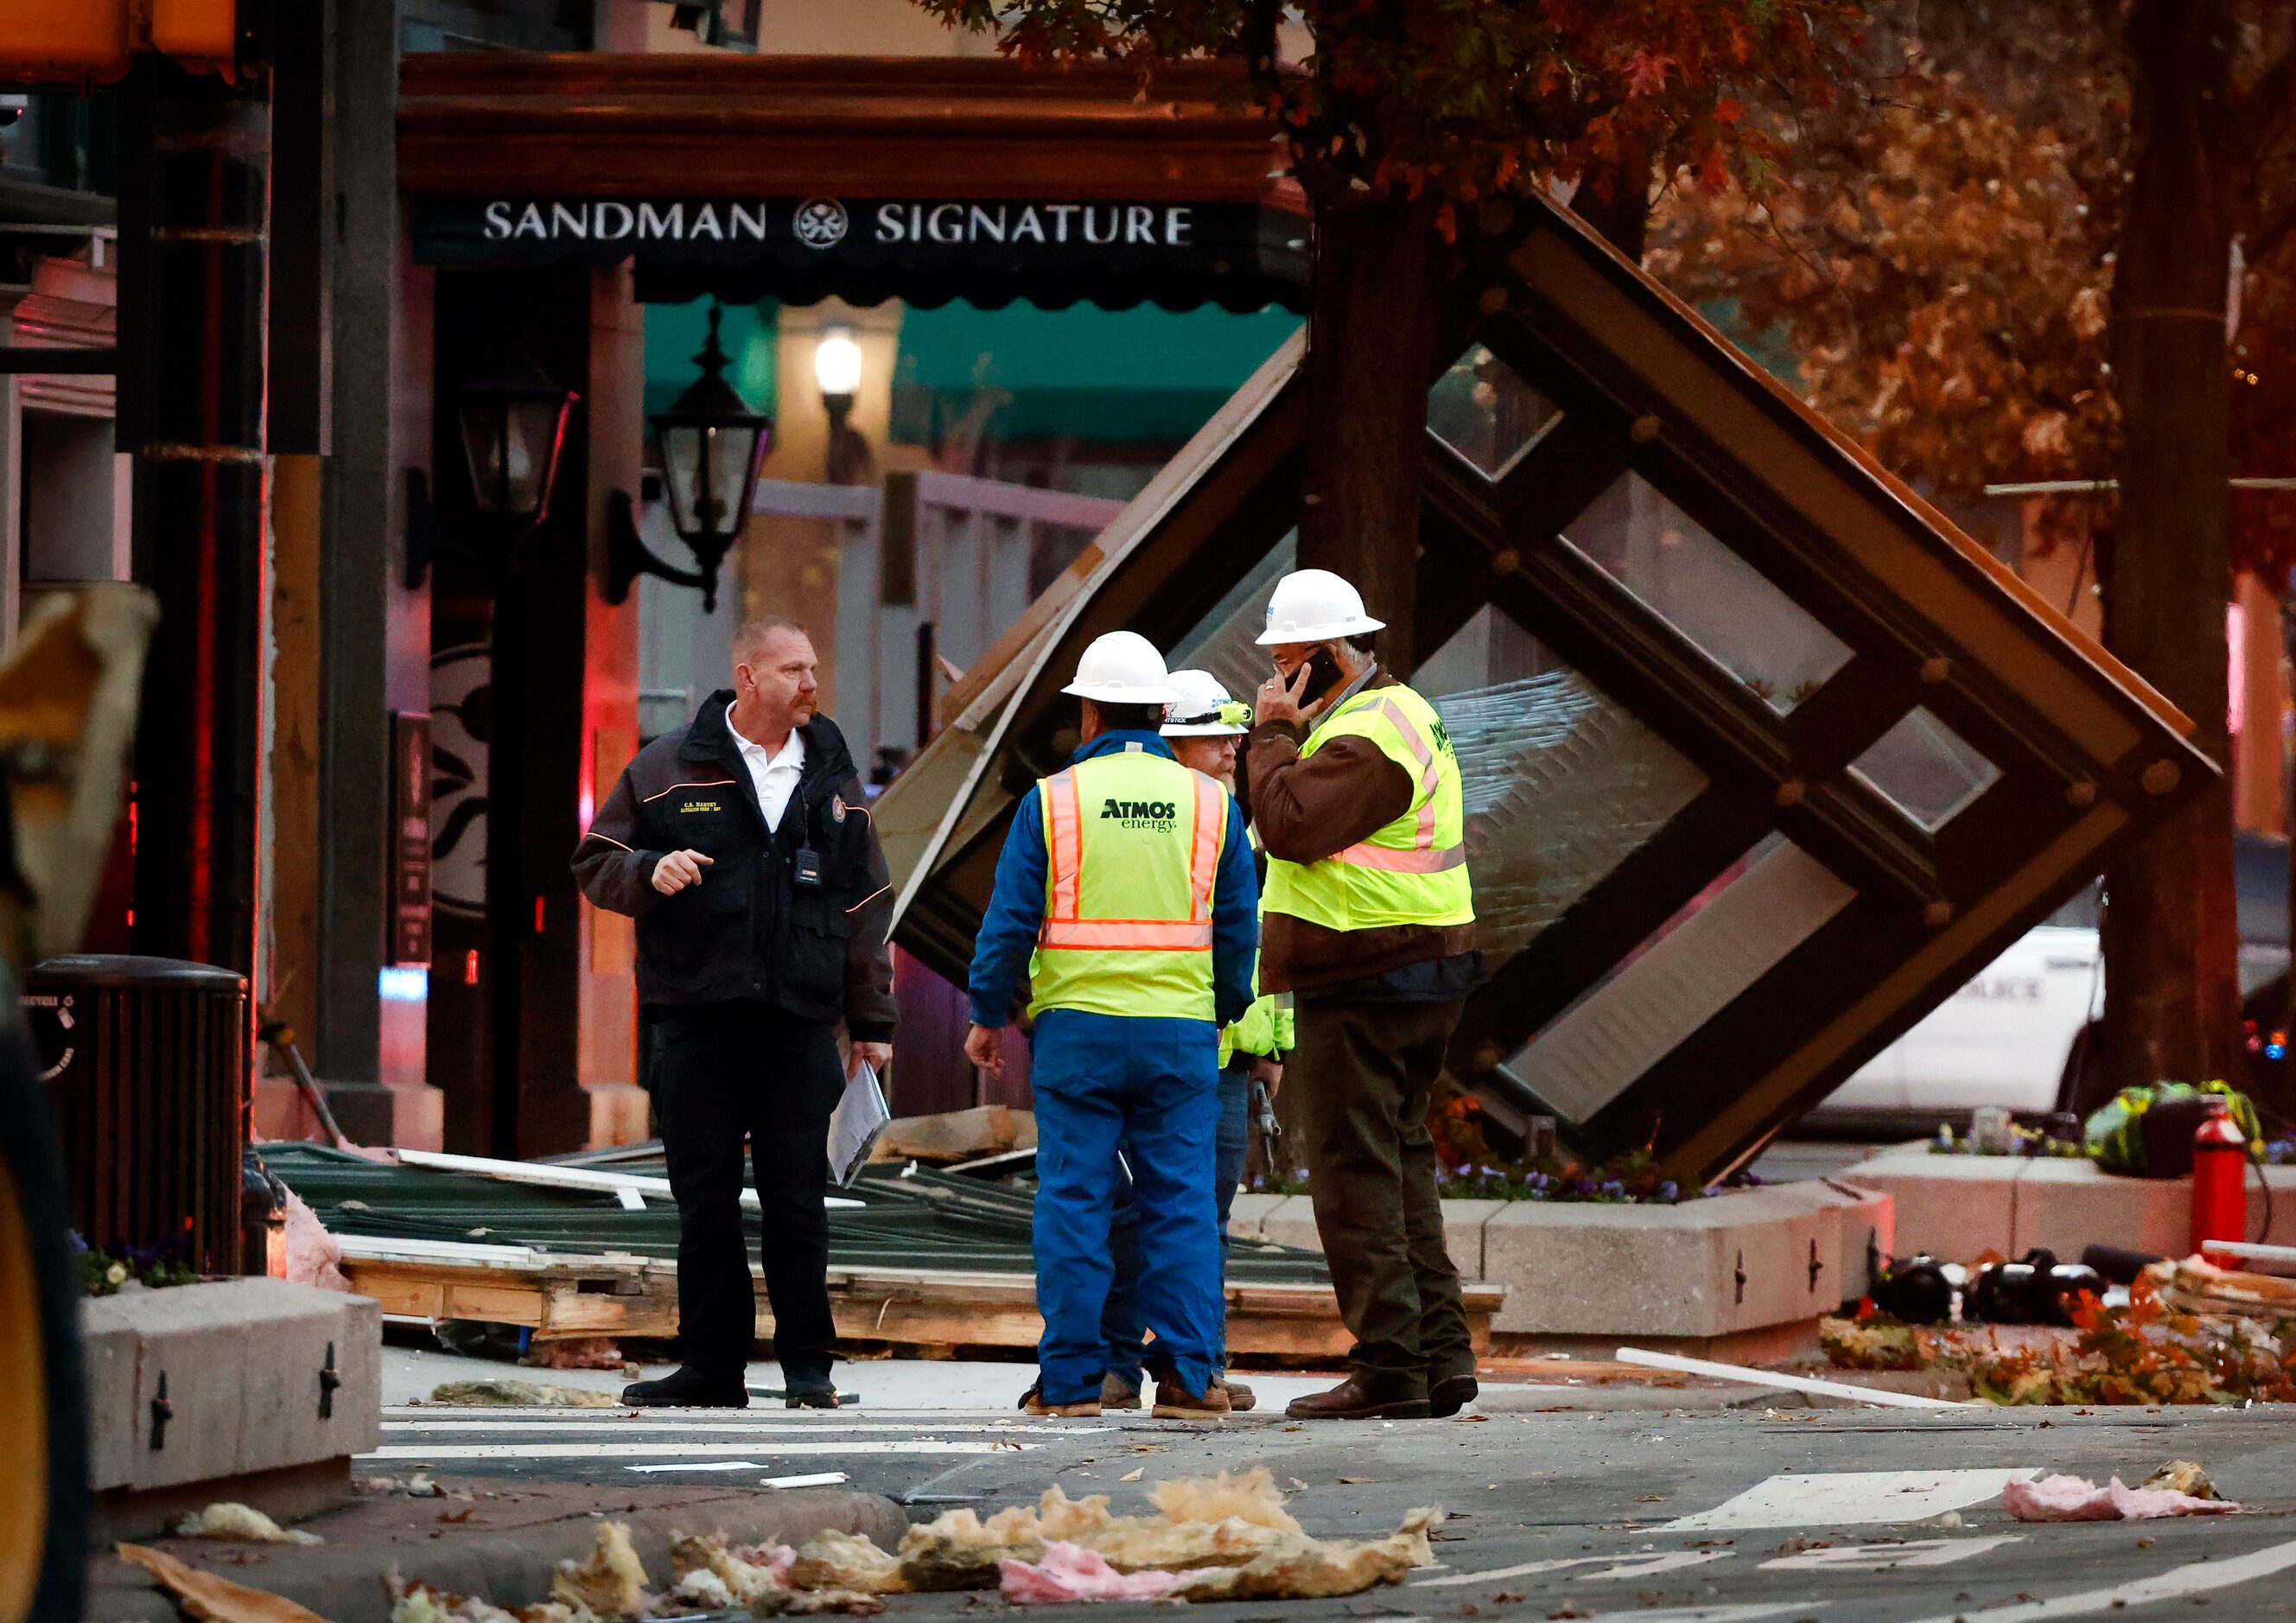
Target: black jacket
{"x":748,"y":931}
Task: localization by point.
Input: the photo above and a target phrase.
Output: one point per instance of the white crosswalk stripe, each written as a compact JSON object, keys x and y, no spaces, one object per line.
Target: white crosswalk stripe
{"x":1842,"y":1498}
{"x":433,"y":1452}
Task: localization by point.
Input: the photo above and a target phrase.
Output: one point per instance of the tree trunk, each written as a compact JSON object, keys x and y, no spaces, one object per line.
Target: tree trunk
{"x":2171,"y":937}
{"x":1375,"y":316}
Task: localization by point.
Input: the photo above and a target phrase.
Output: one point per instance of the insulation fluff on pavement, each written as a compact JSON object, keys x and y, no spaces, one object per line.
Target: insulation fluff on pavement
{"x":1227,"y":1536}
{"x":611,"y":1583}
{"x":231,"y":1520}
{"x":2061,"y":1499}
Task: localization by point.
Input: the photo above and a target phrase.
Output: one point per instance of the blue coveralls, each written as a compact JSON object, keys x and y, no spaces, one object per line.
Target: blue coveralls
{"x":1146,"y":1086}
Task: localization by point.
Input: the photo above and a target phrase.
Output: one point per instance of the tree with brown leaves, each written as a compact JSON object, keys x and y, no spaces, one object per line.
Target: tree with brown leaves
{"x":1409,"y":125}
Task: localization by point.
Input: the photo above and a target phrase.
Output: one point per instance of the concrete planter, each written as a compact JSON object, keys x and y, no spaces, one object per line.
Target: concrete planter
{"x":1961,"y":1206}
{"x":257,"y":1374}
{"x":1711,"y":1270}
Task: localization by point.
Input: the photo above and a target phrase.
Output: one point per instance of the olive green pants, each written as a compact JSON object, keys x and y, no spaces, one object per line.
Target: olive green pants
{"x":1365,"y":1073}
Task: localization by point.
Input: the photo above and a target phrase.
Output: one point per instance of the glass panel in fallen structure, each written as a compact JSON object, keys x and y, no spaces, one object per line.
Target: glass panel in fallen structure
{"x":1721,"y":942}
{"x":1561,"y":781}
{"x":1705,"y":591}
{"x":1926,"y":770}
{"x":1483,"y":409}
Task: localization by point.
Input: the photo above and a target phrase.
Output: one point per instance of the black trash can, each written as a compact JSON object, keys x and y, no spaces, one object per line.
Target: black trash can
{"x":146,"y":1065}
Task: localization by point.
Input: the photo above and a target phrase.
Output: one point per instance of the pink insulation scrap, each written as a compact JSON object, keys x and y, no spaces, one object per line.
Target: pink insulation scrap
{"x":1070,"y":1572}
{"x":2060,"y":1498}
{"x":314,"y":1256}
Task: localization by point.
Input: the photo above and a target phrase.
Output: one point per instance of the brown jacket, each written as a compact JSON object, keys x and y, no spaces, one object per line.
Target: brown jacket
{"x":1306,"y":810}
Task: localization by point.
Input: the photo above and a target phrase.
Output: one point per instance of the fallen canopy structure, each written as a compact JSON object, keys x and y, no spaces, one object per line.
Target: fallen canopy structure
{"x":1763,"y":757}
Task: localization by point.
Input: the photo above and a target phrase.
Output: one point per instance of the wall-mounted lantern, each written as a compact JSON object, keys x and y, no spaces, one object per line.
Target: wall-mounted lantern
{"x":711,"y":445}
{"x":512,"y":422}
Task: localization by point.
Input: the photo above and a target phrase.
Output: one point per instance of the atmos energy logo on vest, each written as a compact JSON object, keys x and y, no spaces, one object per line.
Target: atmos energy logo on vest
{"x":1157,"y":814}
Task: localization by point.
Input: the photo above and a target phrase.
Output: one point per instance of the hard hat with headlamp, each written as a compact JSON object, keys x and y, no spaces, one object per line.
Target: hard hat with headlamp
{"x":1203,"y":709}
{"x":1122,"y":668}
{"x":1315,"y":606}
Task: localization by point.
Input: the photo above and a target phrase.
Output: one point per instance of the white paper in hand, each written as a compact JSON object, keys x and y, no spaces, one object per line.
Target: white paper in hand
{"x":853,"y":1131}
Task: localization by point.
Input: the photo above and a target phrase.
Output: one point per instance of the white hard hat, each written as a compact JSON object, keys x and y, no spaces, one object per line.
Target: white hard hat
{"x":1315,"y":606}
{"x":1203,"y":709}
{"x":1122,"y":668}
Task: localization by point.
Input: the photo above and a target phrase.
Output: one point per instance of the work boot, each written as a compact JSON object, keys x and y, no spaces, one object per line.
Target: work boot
{"x":689,"y":1389}
{"x":1453,"y":1393}
{"x":1035,"y":1404}
{"x":819,"y":1394}
{"x":1240,"y":1396}
{"x":1362,"y":1397}
{"x":1176,"y":1402}
{"x":1117,"y":1393}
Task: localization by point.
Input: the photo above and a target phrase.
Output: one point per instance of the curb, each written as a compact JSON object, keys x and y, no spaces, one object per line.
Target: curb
{"x":345,"y":1583}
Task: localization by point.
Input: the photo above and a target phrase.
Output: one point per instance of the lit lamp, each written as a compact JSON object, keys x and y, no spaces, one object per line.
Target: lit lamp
{"x":512,"y":422}
{"x":711,"y":445}
{"x":837,"y":369}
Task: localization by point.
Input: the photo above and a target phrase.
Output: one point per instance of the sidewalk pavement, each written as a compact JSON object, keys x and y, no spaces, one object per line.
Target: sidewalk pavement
{"x":502,"y":1542}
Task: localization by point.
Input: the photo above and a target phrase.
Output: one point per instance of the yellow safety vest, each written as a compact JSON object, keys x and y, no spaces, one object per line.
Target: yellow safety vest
{"x":1414,"y":870}
{"x":1133,"y":843}
{"x":1266,"y":1028}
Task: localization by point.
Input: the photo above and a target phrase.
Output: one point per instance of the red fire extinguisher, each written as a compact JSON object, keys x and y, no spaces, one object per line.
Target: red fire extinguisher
{"x":2219,"y":1178}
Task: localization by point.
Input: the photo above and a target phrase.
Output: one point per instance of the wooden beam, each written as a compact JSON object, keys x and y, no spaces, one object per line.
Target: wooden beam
{"x":603,"y":125}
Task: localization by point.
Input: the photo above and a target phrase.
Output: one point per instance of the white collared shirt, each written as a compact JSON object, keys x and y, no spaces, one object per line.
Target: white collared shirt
{"x":774,"y":776}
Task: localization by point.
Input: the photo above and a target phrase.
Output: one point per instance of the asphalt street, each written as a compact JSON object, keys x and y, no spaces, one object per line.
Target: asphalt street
{"x":1840,"y":1515}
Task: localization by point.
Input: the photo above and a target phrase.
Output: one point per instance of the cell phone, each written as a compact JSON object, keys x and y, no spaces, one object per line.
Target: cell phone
{"x":1324,"y":674}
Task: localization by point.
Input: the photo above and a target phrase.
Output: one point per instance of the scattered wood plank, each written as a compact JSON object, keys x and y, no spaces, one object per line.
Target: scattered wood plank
{"x":2198,"y":1286}
{"x":559,"y":1298}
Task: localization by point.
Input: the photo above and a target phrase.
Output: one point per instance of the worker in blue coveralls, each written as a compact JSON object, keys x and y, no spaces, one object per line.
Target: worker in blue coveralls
{"x":1127,"y":891}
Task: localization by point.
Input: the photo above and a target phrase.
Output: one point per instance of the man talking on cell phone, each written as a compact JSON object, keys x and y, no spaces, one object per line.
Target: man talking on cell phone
{"x":1368,"y":921}
{"x":743,"y":845}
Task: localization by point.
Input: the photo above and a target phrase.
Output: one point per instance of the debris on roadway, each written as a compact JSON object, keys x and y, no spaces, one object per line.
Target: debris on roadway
{"x":228,"y":1519}
{"x":212,"y":1597}
{"x":2062,"y":1498}
{"x":611,"y":1583}
{"x":519,"y":1395}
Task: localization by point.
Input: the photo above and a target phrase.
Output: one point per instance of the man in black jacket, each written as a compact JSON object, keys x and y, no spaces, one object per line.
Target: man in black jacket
{"x":743,"y":846}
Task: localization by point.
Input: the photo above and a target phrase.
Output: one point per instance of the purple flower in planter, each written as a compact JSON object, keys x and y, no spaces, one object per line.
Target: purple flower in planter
{"x":1668,"y":1192}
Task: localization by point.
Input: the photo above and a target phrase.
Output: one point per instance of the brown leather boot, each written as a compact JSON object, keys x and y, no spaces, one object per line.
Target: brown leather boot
{"x":1358,"y":1398}
{"x":1240,"y":1398}
{"x":1117,"y":1393}
{"x":1176,"y":1402}
{"x":1035,"y":1405}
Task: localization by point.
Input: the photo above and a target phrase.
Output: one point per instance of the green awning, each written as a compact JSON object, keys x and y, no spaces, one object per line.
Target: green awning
{"x":674,"y":333}
{"x":1142,"y":376}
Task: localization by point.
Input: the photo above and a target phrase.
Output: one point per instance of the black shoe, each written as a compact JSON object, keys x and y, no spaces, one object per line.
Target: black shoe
{"x":689,"y":1389}
{"x":1450,"y":1395}
{"x":808,"y":1395}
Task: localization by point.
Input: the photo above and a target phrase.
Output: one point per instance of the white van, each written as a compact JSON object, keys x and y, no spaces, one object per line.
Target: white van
{"x":2005,"y":1038}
